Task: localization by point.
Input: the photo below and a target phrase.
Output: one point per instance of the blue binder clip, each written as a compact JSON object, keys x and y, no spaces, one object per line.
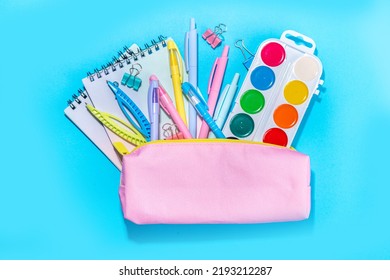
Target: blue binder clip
{"x":131,"y":80}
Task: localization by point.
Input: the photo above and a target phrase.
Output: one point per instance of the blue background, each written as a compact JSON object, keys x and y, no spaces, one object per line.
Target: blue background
{"x":59,"y":194}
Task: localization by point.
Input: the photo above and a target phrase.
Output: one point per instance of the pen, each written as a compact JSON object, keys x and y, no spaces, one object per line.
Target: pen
{"x":191,"y":62}
{"x":225,"y":102}
{"x":176,"y":75}
{"x":201,"y":107}
{"x":215,"y":82}
{"x":139,"y":121}
{"x":168,"y":106}
{"x":154,"y":109}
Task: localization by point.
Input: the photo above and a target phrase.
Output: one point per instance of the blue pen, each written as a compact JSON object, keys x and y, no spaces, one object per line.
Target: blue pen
{"x":154,"y":108}
{"x":191,"y":62}
{"x":225,"y":101}
{"x":141,"y":123}
{"x":201,"y":107}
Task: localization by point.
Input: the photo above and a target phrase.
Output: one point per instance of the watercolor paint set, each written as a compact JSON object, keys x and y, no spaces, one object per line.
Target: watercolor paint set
{"x":276,"y":91}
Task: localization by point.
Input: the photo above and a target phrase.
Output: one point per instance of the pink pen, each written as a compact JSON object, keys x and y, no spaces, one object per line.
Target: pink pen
{"x":215,"y":83}
{"x":167,"y":105}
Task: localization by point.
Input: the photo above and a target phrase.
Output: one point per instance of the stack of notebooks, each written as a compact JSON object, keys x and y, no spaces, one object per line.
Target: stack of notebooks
{"x":153,"y":59}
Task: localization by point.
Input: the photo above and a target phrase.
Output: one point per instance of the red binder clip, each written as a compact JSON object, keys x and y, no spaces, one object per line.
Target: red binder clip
{"x":176,"y":136}
{"x":171,"y":132}
{"x":214,"y":38}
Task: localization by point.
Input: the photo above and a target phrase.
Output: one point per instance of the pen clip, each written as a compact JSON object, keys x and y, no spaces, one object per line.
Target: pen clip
{"x":162,"y":102}
{"x":150,"y":92}
{"x":153,"y":84}
{"x":211,"y":78}
{"x":180,"y":59}
{"x":186,"y":50}
{"x":201,"y":97}
{"x":198,"y":95}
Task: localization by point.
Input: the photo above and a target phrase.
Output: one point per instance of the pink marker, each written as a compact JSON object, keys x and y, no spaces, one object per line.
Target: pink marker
{"x":167,"y":105}
{"x":215,"y":83}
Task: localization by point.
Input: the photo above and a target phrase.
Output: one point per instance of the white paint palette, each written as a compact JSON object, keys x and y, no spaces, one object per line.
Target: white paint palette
{"x":276,"y":91}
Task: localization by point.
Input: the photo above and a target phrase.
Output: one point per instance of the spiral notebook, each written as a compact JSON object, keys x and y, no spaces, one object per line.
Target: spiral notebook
{"x":77,"y":112}
{"x":153,"y":59}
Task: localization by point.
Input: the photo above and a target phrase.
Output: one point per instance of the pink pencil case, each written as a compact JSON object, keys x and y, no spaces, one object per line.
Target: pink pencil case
{"x":214,"y":181}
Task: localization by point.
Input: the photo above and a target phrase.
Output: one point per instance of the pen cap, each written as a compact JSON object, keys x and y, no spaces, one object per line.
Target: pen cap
{"x":172,"y":57}
{"x":175,"y":59}
{"x":193,"y":44}
{"x":186,"y":87}
{"x":164,"y":99}
{"x":189,"y":90}
{"x":171,"y":45}
{"x":218,"y":70}
{"x":194,"y":96}
{"x":186,"y":51}
{"x":225,"y":51}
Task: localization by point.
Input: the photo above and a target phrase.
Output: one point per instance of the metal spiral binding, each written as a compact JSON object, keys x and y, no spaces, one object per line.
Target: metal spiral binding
{"x":148,"y":48}
{"x":130,"y":54}
{"x":155,"y":44}
{"x":76,"y":98}
{"x":141,"y":52}
{"x":105,"y":68}
{"x":118,"y":61}
{"x":125,"y":57}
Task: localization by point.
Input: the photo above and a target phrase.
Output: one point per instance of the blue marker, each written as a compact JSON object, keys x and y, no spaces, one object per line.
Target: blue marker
{"x":201,"y":107}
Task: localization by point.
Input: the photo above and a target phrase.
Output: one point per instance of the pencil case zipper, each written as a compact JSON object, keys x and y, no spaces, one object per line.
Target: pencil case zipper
{"x":172,"y":142}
